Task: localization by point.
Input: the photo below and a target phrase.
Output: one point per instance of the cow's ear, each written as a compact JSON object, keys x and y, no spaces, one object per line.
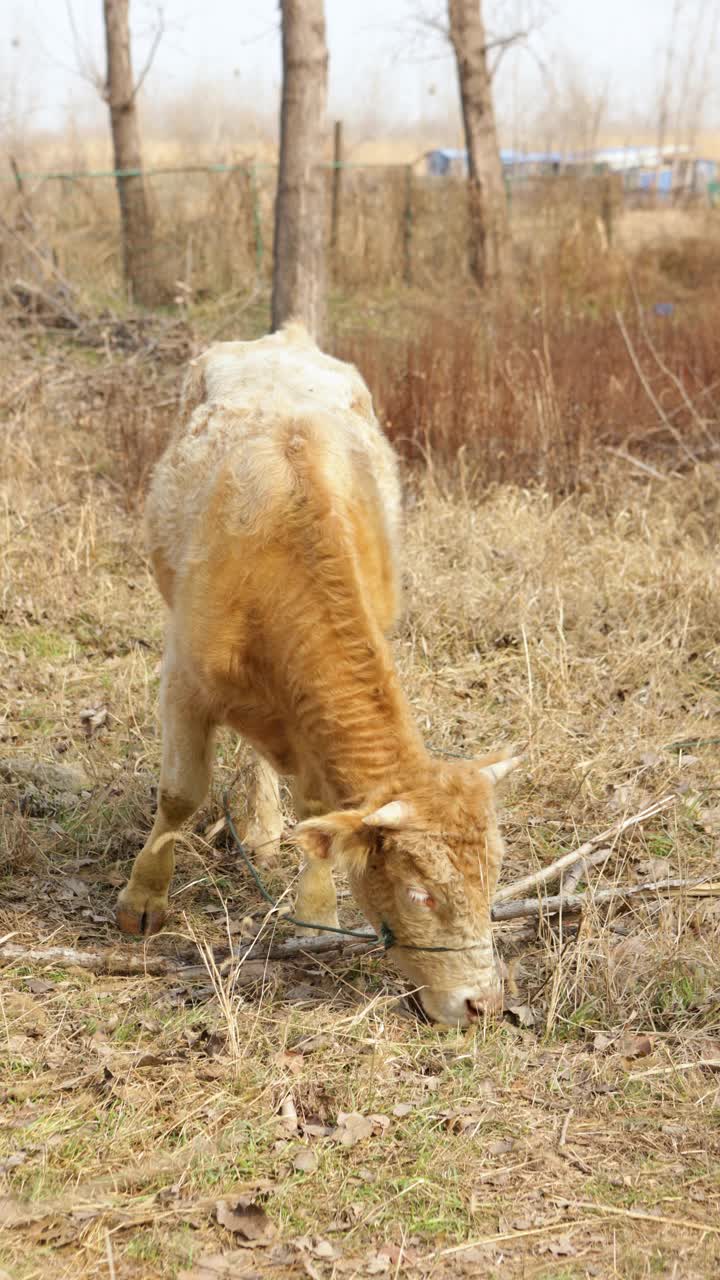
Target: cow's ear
{"x":334,"y":835}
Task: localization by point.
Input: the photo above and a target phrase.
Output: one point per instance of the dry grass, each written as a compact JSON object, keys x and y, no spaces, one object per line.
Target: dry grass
{"x":213,"y":231}
{"x":585,"y":625}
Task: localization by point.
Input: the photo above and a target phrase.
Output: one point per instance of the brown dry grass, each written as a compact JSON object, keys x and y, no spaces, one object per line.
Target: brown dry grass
{"x":584,"y":624}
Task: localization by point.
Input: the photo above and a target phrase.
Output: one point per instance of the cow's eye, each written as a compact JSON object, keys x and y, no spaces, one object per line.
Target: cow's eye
{"x":416,"y":894}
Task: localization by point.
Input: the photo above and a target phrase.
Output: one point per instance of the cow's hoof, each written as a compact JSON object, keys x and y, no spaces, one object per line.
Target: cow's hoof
{"x":139,"y":912}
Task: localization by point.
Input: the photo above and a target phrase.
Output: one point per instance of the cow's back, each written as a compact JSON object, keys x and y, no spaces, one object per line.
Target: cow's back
{"x":267,"y":428}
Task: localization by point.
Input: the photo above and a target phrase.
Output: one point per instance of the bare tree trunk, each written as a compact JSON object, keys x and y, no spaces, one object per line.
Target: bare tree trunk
{"x":120,"y":93}
{"x":299,"y":247}
{"x":489,"y":245}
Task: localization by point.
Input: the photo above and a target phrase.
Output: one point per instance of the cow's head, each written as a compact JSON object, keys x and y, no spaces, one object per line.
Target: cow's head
{"x":423,"y":867}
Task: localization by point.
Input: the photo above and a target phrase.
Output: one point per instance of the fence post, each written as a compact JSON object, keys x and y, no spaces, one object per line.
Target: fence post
{"x":408,"y":226}
{"x":256,"y":219}
{"x":336,"y":191}
{"x":606,"y":208}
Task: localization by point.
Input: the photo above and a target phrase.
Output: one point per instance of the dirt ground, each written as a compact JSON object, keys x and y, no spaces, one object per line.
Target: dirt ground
{"x":281,"y":1118}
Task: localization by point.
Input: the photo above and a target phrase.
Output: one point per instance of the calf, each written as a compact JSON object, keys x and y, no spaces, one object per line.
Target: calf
{"x":273,"y":522}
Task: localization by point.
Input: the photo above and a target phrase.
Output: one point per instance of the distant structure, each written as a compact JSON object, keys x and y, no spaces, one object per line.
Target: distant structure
{"x":671,"y":172}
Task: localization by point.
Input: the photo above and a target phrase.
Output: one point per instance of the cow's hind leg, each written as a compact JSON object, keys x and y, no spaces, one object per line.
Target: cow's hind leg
{"x":316,"y":901}
{"x":184,"y":780}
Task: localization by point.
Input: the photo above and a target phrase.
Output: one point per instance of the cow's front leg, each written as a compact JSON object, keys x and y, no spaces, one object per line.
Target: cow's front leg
{"x":184,"y":780}
{"x":316,"y":901}
{"x":265,"y":822}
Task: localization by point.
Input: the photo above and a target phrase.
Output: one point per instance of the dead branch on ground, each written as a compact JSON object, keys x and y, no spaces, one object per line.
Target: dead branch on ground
{"x":123,"y":965}
{"x":555,"y":869}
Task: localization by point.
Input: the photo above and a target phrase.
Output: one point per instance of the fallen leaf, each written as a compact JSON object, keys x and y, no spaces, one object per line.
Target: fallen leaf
{"x":305,"y":1161}
{"x":709,"y":820}
{"x":377,"y":1264}
{"x":150,"y":1060}
{"x":317,"y":1247}
{"x":93,"y":718}
{"x":650,"y":759}
{"x":653,"y":869}
{"x":563,"y":1247}
{"x":220,"y":1266}
{"x":403,"y":1108}
{"x":243,"y":1215}
{"x":501,"y":1147}
{"x":288,"y":1114}
{"x":352,"y":1128}
{"x":632,"y":1046}
{"x":601,"y":1042}
{"x":313,"y":1130}
{"x":292,"y":1061}
{"x":76,"y":886}
{"x":521,"y":1012}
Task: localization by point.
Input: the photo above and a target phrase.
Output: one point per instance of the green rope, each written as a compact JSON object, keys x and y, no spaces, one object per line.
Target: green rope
{"x":274,"y":903}
{"x":75,"y":175}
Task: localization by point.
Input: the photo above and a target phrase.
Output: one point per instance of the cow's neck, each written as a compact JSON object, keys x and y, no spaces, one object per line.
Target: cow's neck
{"x":351,"y":716}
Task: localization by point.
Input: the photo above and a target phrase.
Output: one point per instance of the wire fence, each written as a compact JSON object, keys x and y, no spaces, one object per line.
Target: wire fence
{"x":211,"y":228}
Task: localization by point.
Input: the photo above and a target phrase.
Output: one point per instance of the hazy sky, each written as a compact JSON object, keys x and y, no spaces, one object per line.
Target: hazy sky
{"x":380,"y":62}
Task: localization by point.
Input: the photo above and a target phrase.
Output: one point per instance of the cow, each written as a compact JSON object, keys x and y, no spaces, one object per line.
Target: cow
{"x":273,"y":524}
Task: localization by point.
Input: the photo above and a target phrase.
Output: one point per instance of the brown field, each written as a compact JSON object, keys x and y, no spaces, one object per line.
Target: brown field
{"x":562,"y":592}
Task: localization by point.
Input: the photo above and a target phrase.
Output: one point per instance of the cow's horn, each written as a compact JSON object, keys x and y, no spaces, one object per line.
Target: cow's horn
{"x":500,"y":769}
{"x":396,"y":813}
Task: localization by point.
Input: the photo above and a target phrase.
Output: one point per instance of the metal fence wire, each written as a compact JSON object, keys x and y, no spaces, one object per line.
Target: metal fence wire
{"x":212,"y":226}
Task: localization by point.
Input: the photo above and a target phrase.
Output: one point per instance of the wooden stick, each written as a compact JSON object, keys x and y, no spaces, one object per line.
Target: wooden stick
{"x":129,"y":964}
{"x":569,"y":882}
{"x":553,"y":870}
{"x":298,"y":946}
{"x":122,"y":963}
{"x":579,"y":901}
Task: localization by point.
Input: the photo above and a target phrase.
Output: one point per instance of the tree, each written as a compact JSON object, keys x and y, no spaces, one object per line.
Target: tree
{"x":490,"y":250}
{"x":299,"y":242}
{"x":120,"y":92}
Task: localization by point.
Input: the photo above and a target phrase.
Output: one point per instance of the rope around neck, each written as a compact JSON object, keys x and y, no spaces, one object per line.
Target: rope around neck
{"x":386,"y":935}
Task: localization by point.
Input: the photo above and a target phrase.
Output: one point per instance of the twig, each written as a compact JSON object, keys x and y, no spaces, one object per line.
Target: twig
{"x":664,"y":368}
{"x":107,"y":962}
{"x":579,"y":901}
{"x":569,"y":882}
{"x":110,"y":1255}
{"x":124,"y":964}
{"x":641,"y":1216}
{"x":121,"y":964}
{"x":677,"y":437}
{"x":296,"y":947}
{"x":553,"y":870}
{"x":566,"y":1125}
{"x":45,"y":262}
{"x":510,"y":1235}
{"x":712,"y":1063}
{"x":635,"y":462}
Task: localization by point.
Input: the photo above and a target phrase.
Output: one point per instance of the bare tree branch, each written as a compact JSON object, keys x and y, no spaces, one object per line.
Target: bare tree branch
{"x":84,"y":64}
{"x":157,"y":37}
